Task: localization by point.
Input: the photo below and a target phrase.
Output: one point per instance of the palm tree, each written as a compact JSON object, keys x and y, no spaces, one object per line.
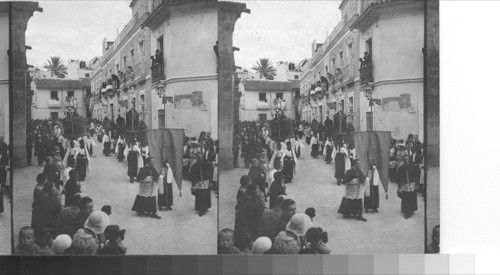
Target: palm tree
{"x":265,"y":68}
{"x":56,"y":67}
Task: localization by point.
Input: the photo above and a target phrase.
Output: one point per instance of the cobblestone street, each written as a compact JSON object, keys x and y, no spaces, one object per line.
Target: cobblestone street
{"x":386,"y":232}
{"x":180,"y":231}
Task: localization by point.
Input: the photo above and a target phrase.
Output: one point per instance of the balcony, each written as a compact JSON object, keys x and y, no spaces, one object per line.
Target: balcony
{"x":262,"y":105}
{"x":139,"y":72}
{"x":366,"y":74}
{"x":55,"y":103}
{"x":157,"y":73}
{"x":338,"y":79}
{"x":348,"y":74}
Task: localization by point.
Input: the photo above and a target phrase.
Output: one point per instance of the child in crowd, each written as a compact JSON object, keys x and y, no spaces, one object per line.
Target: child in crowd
{"x":311,"y":212}
{"x":26,"y":244}
{"x":106,"y":209}
{"x":45,"y":242}
{"x":226,"y":242}
{"x":114,"y":237}
{"x":315,"y":236}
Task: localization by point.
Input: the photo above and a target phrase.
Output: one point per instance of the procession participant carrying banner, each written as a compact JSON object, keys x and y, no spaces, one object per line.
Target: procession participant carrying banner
{"x":374,"y":145}
{"x":168,"y":143}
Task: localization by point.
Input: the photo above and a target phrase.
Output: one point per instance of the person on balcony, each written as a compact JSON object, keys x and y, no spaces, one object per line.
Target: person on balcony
{"x":367,"y":59}
{"x":159,"y":60}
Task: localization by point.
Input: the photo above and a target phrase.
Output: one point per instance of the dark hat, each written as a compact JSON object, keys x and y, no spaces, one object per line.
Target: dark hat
{"x":149,"y":159}
{"x":112,"y":231}
{"x":311,"y":212}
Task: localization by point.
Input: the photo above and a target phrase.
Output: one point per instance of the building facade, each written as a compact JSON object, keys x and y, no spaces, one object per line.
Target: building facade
{"x":287,"y":71}
{"x":259,"y":98}
{"x":52,"y":95}
{"x":387,"y":93}
{"x":121,"y":77}
{"x":184,"y":83}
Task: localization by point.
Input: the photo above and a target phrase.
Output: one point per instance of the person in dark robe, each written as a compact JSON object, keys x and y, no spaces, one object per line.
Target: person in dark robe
{"x":289,"y":163}
{"x":257,"y":176}
{"x":328,"y":150}
{"x":82,"y":161}
{"x":145,"y":201}
{"x":352,"y":203}
{"x":200,"y":181}
{"x":132,"y":161}
{"x":106,"y":141}
{"x":433,"y":247}
{"x":289,"y":208}
{"x":276,"y":189}
{"x":314,"y":145}
{"x":236,"y":150}
{"x":242,"y":194}
{"x":4,"y":167}
{"x":248,"y":217}
{"x":66,"y":221}
{"x":269,"y":219}
{"x":52,"y":209}
{"x":71,"y":187}
{"x":50,"y":170}
{"x":39,"y":198}
{"x":121,"y":149}
{"x":339,"y":163}
{"x":165,"y":198}
{"x":405,"y":177}
{"x":120,"y":122}
{"x":39,"y":150}
{"x":372,"y":191}
{"x":246,"y":151}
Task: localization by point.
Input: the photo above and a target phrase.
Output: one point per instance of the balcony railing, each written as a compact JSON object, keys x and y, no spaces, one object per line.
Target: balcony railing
{"x":262,"y":105}
{"x":157,"y":73}
{"x":338,"y":79}
{"x":55,"y":103}
{"x":348,"y":74}
{"x":366,"y":74}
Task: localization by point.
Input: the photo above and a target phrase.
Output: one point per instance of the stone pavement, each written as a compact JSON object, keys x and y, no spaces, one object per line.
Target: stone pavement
{"x":386,"y":232}
{"x":5,"y":228}
{"x":180,"y":231}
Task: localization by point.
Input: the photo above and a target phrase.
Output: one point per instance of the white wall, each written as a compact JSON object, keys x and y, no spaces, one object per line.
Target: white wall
{"x":250,"y":99}
{"x":40,"y":105}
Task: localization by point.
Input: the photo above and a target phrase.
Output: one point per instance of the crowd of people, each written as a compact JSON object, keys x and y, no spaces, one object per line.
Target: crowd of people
{"x":272,"y":163}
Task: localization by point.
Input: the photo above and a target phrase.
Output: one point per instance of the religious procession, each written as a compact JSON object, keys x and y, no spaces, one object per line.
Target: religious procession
{"x":88,"y":172}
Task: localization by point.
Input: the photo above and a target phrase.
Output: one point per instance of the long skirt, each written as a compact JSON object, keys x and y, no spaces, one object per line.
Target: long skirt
{"x":132,"y":164}
{"x":202,"y":200}
{"x":81,"y":168}
{"x":308,"y":140}
{"x":92,"y":132}
{"x":339,"y":166}
{"x":372,"y":202}
{"x":351,"y":206}
{"x":301,"y":134}
{"x":91,"y":150}
{"x":99,"y":137}
{"x":144,"y":204}
{"x":314,"y":150}
{"x":107,"y":148}
{"x":166,"y":200}
{"x":409,"y":202}
{"x":121,"y":149}
{"x":328,"y":157}
{"x":288,"y":170}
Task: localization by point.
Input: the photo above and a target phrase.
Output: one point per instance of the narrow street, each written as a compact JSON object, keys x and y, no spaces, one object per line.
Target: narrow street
{"x":5,"y":228}
{"x":386,"y":232}
{"x":180,"y":231}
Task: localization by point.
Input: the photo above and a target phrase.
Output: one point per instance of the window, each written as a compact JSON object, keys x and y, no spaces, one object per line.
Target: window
{"x":350,"y":52}
{"x":279,"y":95}
{"x":54,"y":115}
{"x":125,"y":62}
{"x":262,"y":97}
{"x":141,"y":48}
{"x":262,"y":117}
{"x":334,"y":107}
{"x":71,"y":93}
{"x":341,"y":107}
{"x":369,"y":121}
{"x":132,"y":56}
{"x":161,"y":119}
{"x":326,"y":70}
{"x":296,"y":77}
{"x":53,"y":95}
{"x":297,"y":94}
{"x":117,"y":68}
{"x":368,"y":46}
{"x":351,"y":105}
{"x":87,"y":75}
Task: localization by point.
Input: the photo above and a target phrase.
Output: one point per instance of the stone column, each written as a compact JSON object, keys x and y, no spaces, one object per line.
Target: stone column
{"x":432,"y":82}
{"x":228,"y":13}
{"x":21,"y":12}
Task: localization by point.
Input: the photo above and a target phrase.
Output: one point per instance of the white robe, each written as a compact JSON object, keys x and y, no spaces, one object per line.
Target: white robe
{"x":347,"y":160}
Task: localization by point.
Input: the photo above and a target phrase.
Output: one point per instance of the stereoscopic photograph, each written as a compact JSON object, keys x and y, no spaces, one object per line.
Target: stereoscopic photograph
{"x":323,"y":145}
{"x":115,"y":127}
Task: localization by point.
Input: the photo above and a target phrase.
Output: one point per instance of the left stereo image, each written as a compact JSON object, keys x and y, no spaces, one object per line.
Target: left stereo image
{"x":114,"y":127}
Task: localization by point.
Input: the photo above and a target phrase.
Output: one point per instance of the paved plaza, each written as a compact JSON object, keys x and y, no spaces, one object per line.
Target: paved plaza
{"x":180,"y":231}
{"x":314,"y":185}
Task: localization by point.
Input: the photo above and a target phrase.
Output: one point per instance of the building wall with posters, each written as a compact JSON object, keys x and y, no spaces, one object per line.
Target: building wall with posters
{"x":4,"y":72}
{"x":257,"y":101}
{"x":330,"y":78}
{"x":393,"y":32}
{"x":51,"y":96}
{"x":121,"y":76}
{"x":184,"y":88}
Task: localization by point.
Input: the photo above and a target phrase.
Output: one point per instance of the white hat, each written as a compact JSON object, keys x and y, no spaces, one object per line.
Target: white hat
{"x":97,"y":222}
{"x":61,"y":243}
{"x":261,"y":245}
{"x":299,"y":224}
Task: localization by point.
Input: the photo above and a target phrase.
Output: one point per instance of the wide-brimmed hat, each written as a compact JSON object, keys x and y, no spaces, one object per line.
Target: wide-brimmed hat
{"x":261,"y":245}
{"x":97,"y":222}
{"x":61,"y":243}
{"x":299,"y":224}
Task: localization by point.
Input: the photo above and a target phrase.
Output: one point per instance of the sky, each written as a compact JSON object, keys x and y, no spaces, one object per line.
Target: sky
{"x":74,"y":29}
{"x":282,"y":30}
